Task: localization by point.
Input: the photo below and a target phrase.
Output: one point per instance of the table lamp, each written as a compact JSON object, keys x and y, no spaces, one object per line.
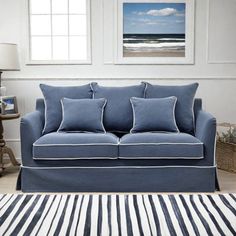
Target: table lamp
{"x":9,"y":61}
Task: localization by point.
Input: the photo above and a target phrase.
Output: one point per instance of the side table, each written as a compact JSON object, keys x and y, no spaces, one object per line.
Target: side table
{"x":3,"y":148}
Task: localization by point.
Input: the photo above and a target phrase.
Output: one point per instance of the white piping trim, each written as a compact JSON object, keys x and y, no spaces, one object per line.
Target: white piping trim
{"x":171,"y":157}
{"x":115,"y":158}
{"x":102,"y":115}
{"x":63,"y":115}
{"x":71,"y":144}
{"x":73,"y":158}
{"x":131,"y":144}
{"x":45,"y":115}
{"x":132,"y":105}
{"x":116,"y":167}
{"x":112,"y":144}
{"x":174,"y":118}
{"x":78,"y":132}
{"x":214,"y":158}
{"x":160,"y":132}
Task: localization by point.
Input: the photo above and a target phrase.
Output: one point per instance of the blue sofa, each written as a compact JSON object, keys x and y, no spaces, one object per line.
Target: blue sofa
{"x":117,"y":161}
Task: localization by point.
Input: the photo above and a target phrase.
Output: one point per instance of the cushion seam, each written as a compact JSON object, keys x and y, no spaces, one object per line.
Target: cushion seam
{"x":164,"y":158}
{"x":72,"y":158}
{"x":89,"y":144}
{"x":115,"y":167}
{"x":136,"y":144}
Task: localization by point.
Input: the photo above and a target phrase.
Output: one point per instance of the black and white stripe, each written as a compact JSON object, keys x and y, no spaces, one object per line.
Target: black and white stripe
{"x":106,"y":215}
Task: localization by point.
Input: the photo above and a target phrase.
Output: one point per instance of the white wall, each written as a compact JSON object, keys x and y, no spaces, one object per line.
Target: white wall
{"x":214,"y":68}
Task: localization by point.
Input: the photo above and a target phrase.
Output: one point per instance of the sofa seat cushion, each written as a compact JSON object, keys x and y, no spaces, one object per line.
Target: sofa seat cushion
{"x":67,"y":146}
{"x":160,"y":146}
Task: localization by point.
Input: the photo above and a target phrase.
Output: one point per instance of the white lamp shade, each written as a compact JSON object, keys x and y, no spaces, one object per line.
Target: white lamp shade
{"x":9,"y":57}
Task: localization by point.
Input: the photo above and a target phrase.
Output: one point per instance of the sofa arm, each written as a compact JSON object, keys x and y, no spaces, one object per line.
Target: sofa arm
{"x":31,"y":127}
{"x":206,"y":133}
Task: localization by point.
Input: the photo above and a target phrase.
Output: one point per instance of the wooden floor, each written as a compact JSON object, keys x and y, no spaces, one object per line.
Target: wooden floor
{"x":8,"y":181}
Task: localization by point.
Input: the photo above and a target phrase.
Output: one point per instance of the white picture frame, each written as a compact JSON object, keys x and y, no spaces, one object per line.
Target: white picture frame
{"x":188,"y":57}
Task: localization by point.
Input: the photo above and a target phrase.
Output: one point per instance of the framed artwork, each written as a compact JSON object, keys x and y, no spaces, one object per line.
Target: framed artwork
{"x":154,"y":32}
{"x":9,"y":105}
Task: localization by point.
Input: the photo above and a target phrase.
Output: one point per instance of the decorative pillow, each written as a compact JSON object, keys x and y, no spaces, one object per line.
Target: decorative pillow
{"x":184,"y":107}
{"x":82,"y":115}
{"x":118,"y":115}
{"x":52,"y":97}
{"x":155,"y":114}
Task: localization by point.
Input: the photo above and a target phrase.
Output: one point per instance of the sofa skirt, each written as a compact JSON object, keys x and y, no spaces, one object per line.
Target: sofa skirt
{"x":118,"y":179}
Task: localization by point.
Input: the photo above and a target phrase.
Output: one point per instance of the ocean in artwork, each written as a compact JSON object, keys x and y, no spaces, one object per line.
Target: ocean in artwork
{"x":154,"y":29}
{"x":154,"y":45}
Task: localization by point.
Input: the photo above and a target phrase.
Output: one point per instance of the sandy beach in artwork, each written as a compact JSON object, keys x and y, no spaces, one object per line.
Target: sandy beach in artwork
{"x":172,"y":53}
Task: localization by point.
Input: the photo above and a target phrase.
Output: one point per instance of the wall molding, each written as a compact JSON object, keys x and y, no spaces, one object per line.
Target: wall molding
{"x":12,"y":140}
{"x":105,"y":61}
{"x":122,"y":78}
{"x":207,"y":37}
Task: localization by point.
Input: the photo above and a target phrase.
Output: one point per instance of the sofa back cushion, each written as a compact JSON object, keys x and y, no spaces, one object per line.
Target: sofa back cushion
{"x":118,"y":114}
{"x":52,"y":98}
{"x":40,"y":107}
{"x":185,"y":100}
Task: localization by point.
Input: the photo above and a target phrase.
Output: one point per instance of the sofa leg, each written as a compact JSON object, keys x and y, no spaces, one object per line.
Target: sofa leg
{"x":18,"y":183}
{"x":217,"y":181}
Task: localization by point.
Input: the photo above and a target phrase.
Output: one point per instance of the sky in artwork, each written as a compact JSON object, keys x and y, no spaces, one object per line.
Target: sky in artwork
{"x":154,"y":18}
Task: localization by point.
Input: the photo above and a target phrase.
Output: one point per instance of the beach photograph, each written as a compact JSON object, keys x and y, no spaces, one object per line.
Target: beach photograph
{"x":154,"y":29}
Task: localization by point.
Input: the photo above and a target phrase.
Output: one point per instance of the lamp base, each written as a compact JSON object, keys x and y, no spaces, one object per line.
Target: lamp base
{"x":3,"y":91}
{"x":2,"y":88}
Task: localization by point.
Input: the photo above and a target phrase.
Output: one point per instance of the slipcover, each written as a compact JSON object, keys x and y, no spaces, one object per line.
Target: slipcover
{"x":118,"y":179}
{"x":117,"y":175}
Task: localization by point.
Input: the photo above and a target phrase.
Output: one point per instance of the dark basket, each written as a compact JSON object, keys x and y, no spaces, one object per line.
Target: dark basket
{"x":226,"y":156}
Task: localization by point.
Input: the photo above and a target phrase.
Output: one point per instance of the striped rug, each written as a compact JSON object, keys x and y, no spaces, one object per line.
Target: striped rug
{"x":105,"y":215}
